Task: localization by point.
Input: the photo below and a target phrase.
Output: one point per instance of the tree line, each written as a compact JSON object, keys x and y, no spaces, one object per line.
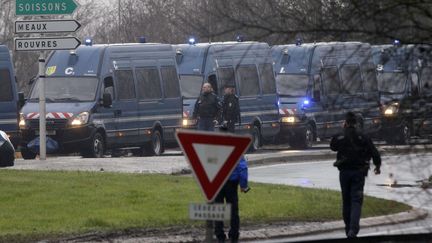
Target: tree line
{"x":271,"y":21}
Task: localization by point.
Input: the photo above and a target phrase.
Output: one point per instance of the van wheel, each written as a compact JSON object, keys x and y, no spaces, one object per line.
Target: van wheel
{"x":256,"y":139}
{"x":303,"y":140}
{"x":97,"y":147}
{"x":155,"y":146}
{"x":26,"y":153}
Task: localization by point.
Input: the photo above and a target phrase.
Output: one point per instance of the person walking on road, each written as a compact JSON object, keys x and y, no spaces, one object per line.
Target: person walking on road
{"x":207,"y":109}
{"x":354,"y":151}
{"x":230,"y":108}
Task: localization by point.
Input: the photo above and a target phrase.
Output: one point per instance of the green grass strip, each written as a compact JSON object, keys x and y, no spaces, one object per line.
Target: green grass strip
{"x":35,"y":204}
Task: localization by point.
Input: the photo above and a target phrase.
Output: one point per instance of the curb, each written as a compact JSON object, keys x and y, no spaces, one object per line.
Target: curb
{"x":315,"y":228}
{"x":281,"y":231}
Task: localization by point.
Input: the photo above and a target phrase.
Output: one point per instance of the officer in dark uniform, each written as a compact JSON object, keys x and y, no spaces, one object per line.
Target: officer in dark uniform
{"x":354,"y":151}
{"x":230,"y":108}
{"x":207,"y":109}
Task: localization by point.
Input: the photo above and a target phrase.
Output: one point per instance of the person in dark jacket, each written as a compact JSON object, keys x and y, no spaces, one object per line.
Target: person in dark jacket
{"x":229,"y":194}
{"x":207,"y":109}
{"x":354,"y":151}
{"x":230,"y":108}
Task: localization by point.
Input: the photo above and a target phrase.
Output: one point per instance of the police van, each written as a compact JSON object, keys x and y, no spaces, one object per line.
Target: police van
{"x":10,"y":100}
{"x":318,"y":83}
{"x":405,"y":84}
{"x":244,"y":65}
{"x":101,"y":97}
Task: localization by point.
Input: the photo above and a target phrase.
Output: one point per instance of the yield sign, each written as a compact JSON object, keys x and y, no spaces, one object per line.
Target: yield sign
{"x":212,"y":156}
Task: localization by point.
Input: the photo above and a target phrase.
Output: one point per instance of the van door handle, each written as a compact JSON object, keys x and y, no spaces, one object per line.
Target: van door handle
{"x":117,"y":113}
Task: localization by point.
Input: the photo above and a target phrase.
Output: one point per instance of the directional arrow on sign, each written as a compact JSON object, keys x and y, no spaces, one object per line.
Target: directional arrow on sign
{"x":46,"y":44}
{"x":45,"y":7}
{"x":212,"y":156}
{"x":46,"y":26}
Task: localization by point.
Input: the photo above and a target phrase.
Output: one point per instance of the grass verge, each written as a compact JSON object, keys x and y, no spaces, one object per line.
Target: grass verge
{"x":36,"y":205}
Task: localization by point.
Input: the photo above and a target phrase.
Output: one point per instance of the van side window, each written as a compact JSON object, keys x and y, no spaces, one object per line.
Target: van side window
{"x":213,"y":82}
{"x":414,"y":84}
{"x":351,"y":79}
{"x":426,"y":79}
{"x":6,"y":86}
{"x":170,"y":82}
{"x":331,"y":81}
{"x":226,"y":76}
{"x":148,"y":83}
{"x":370,"y":78}
{"x":249,"y":83}
{"x":109,"y":86}
{"x":267,"y":78}
{"x":125,"y":84}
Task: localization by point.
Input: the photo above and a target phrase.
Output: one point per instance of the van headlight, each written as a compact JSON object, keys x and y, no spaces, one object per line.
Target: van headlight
{"x":22,"y":122}
{"x":80,"y":119}
{"x":188,"y":122}
{"x":290,"y":119}
{"x":391,"y":109}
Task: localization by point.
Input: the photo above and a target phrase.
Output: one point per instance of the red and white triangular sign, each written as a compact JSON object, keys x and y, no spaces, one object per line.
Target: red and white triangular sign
{"x":212,"y":156}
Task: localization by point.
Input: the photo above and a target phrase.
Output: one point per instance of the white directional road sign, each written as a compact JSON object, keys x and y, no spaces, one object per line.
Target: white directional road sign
{"x":46,"y":44}
{"x":46,"y":26}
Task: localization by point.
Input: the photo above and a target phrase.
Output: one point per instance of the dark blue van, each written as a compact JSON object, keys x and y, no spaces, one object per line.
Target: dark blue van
{"x":108,"y":97}
{"x":10,"y":100}
{"x":405,"y":84}
{"x":249,"y":65}
{"x":318,"y":83}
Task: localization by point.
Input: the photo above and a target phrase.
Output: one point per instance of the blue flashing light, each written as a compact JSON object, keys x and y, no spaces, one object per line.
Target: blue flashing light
{"x":142,"y":39}
{"x":278,"y":103}
{"x":88,"y":41}
{"x":306,"y":102}
{"x":396,"y":42}
{"x":299,"y":42}
{"x":240,"y":38}
{"x":192,"y":41}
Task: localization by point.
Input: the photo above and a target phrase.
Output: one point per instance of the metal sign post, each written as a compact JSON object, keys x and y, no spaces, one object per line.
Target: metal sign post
{"x":212,"y":157}
{"x":39,"y":8}
{"x":42,"y":107}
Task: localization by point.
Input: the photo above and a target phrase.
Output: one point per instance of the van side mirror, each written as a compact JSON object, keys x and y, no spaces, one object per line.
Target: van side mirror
{"x":316,"y":96}
{"x":107,"y":100}
{"x":21,"y":99}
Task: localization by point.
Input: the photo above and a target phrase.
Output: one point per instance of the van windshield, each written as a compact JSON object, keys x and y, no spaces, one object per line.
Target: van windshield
{"x":67,"y":89}
{"x":292,"y":85}
{"x":191,"y":85}
{"x":391,"y":82}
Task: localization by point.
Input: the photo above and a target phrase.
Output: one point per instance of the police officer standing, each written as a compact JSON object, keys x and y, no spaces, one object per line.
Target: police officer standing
{"x":207,"y":109}
{"x":354,"y":151}
{"x":230,"y":108}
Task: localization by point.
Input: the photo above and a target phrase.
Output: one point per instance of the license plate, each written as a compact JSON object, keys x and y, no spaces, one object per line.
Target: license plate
{"x":48,"y":132}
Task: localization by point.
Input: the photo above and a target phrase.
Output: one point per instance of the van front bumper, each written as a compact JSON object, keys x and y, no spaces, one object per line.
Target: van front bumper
{"x":289,"y":130}
{"x":69,"y":139}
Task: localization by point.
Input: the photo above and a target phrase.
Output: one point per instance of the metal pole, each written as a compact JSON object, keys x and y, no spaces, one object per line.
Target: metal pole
{"x":42,"y":108}
{"x":119,"y":22}
{"x":209,"y":229}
